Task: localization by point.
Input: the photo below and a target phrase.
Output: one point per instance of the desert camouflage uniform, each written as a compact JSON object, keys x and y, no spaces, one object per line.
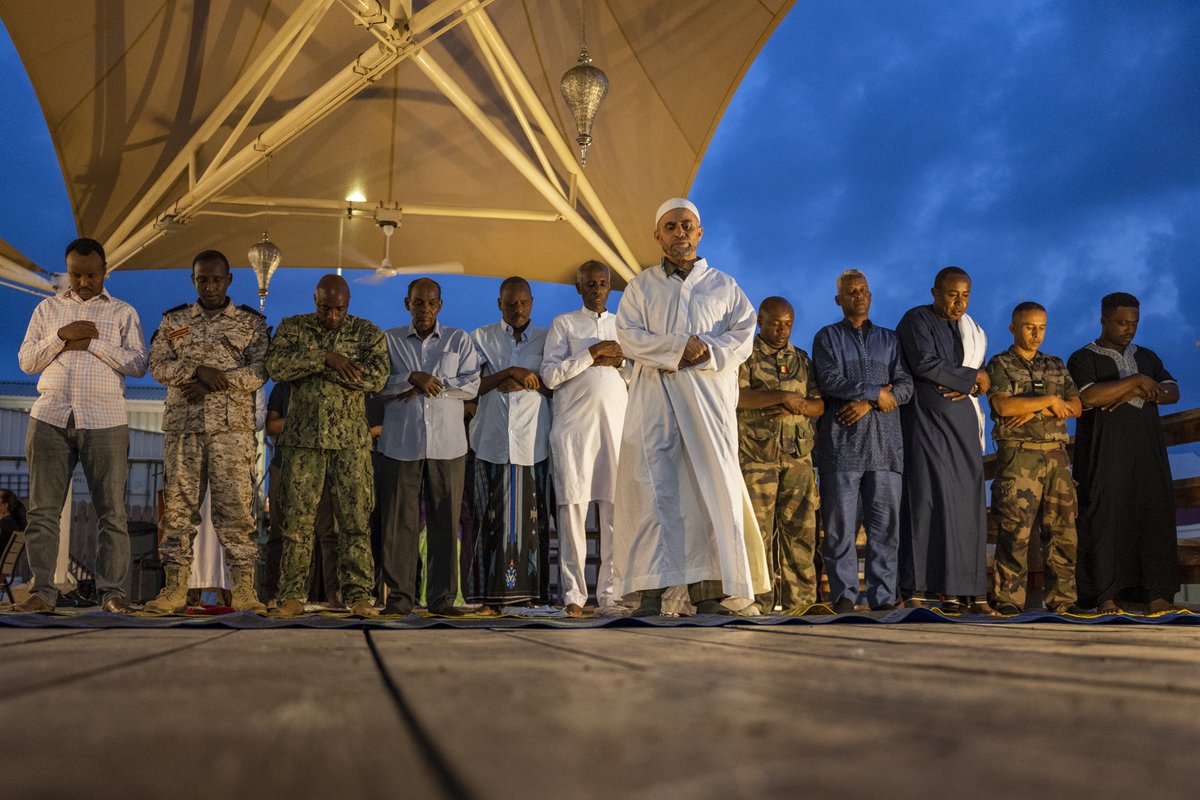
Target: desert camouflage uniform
{"x":209,"y":445}
{"x":324,"y":440}
{"x":776,"y":458}
{"x":1033,"y":478}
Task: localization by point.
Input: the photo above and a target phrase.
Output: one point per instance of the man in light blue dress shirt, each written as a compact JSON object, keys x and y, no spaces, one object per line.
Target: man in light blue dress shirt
{"x":510,"y":434}
{"x":423,"y":451}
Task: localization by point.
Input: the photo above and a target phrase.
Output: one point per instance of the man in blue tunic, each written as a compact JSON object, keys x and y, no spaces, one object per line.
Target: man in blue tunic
{"x":860,"y":450}
{"x":943,"y":518}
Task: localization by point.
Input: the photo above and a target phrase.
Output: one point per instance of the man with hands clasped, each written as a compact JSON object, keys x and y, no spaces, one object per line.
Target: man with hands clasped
{"x":1032,"y":396}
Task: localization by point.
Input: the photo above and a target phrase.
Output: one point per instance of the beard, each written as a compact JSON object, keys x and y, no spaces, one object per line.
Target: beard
{"x":681,"y":251}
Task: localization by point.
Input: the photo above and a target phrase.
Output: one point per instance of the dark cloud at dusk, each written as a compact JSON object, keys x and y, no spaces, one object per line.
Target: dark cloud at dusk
{"x":1052,"y":149}
{"x":1048,"y":148}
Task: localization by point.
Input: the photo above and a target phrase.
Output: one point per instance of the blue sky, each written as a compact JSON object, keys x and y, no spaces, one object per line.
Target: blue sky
{"x":1052,"y":149}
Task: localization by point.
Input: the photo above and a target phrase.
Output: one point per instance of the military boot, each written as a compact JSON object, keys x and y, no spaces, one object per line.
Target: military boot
{"x":173,"y":597}
{"x":244,"y":596}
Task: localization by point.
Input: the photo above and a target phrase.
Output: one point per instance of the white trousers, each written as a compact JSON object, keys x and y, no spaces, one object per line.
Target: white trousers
{"x":572,"y":553}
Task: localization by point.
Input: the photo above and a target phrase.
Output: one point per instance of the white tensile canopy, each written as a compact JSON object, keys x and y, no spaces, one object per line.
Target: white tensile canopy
{"x":18,"y":272}
{"x":185,"y":125}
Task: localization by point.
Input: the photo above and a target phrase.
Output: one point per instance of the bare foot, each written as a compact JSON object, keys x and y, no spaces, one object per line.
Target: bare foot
{"x":914,"y":602}
{"x":1159,"y":606}
{"x":1109,"y":607}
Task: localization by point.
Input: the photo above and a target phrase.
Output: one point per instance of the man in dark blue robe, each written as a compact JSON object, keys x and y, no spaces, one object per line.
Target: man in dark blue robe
{"x":943,"y":517}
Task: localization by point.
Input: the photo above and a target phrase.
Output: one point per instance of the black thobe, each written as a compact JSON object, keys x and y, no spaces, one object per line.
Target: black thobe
{"x":1126,"y":521}
{"x":943,"y":516}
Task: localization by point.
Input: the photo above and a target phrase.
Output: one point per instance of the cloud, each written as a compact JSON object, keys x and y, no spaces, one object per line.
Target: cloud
{"x":1048,"y":148}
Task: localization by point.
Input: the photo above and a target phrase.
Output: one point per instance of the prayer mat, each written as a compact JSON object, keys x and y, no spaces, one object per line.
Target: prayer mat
{"x":814,"y":615}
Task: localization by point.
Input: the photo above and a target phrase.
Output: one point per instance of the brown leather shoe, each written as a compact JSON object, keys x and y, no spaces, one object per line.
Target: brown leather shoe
{"x":364,"y":608}
{"x":289,"y":608}
{"x":34,"y":604}
{"x":574,"y":610}
{"x":116,"y":604}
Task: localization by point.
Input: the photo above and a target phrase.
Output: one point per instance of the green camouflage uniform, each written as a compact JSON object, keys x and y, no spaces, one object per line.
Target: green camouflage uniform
{"x":776,"y":458}
{"x":1033,"y":477}
{"x":209,"y":445}
{"x":326,"y":440}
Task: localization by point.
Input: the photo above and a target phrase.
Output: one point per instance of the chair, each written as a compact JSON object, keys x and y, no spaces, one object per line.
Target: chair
{"x":8,"y":563}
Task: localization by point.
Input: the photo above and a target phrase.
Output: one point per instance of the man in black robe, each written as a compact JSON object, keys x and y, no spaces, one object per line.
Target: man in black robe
{"x":943,"y":517}
{"x":1127,"y":548}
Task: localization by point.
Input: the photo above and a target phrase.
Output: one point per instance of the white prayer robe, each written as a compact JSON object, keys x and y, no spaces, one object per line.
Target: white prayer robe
{"x":589,"y":408}
{"x":684,"y":513}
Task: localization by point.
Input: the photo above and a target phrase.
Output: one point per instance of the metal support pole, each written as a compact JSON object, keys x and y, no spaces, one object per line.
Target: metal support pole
{"x":454,"y":93}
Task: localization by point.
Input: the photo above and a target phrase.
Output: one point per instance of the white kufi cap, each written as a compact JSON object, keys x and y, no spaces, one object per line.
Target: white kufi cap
{"x":673,"y":203}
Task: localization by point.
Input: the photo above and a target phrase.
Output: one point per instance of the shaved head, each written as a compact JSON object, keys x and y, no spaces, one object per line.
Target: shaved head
{"x":775,"y":318}
{"x":334,"y":283}
{"x":775,"y":305}
{"x":332,"y":299}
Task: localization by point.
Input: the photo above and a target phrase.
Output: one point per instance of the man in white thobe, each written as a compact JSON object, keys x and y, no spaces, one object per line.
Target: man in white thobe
{"x":582,"y":364}
{"x":681,"y":516}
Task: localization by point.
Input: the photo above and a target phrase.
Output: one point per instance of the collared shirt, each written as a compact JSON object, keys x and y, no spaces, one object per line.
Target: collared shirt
{"x":673,"y":270}
{"x":233,"y":340}
{"x":428,"y":427}
{"x":853,"y":364}
{"x":763,"y":435}
{"x":325,"y":411}
{"x":511,"y":427}
{"x":89,"y":384}
{"x":1011,"y":374}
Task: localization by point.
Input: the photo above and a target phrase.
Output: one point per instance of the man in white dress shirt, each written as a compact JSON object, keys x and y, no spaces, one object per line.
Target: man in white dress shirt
{"x":510,"y":434}
{"x":423,"y":451}
{"x":85,"y":343}
{"x":682,"y":514}
{"x":582,"y":365}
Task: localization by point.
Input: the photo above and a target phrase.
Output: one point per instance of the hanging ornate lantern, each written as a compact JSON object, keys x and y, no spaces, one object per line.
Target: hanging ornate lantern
{"x":264,"y":260}
{"x":583,"y":87}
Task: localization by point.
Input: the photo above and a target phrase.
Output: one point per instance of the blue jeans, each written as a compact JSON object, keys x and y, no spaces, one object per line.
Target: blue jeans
{"x":52,"y":453}
{"x":880,"y":495}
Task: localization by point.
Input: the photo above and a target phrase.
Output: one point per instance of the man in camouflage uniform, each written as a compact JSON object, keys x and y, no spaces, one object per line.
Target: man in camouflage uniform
{"x":332,"y":360}
{"x":777,"y":396}
{"x":209,"y":354}
{"x":1031,"y":397}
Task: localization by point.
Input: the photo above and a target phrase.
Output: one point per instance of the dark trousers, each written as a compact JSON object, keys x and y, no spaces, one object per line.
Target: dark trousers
{"x":404,"y":484}
{"x":52,"y":453}
{"x":877,"y":493}
{"x":323,"y":529}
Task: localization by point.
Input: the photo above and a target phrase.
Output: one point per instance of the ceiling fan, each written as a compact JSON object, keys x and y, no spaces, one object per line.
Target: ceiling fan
{"x":385,"y":270}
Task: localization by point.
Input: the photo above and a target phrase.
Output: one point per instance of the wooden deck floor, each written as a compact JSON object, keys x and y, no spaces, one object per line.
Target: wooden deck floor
{"x":837,"y":711}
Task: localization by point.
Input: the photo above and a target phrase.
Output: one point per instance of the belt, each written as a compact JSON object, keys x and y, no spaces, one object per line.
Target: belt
{"x":1043,"y":446}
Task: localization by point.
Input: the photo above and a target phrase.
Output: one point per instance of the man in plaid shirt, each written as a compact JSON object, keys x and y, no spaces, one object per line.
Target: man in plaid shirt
{"x":84,"y":343}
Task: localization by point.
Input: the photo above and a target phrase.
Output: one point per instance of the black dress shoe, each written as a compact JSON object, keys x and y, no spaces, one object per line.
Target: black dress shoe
{"x":1007,"y":609}
{"x":446,"y":610}
{"x":116,"y":605}
{"x":397,"y":610}
{"x":844,"y":605}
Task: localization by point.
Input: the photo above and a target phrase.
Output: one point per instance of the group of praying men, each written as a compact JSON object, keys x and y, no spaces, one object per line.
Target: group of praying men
{"x":711,"y":453}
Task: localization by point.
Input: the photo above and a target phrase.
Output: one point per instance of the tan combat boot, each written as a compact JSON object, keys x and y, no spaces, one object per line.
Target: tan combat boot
{"x":173,"y":597}
{"x":244,"y":596}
